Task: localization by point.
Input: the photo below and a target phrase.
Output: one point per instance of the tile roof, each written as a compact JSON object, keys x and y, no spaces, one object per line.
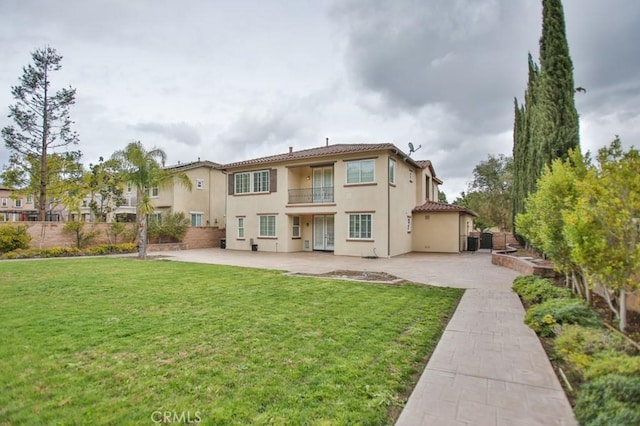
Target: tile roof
{"x":434,"y":206}
{"x":324,"y":151}
{"x":193,"y":165}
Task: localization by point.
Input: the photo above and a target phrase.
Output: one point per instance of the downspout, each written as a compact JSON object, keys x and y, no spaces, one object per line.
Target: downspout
{"x":388,"y":211}
{"x":226,"y":195}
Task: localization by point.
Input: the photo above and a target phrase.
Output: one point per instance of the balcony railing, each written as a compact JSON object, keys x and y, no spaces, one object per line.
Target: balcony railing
{"x":322,"y":194}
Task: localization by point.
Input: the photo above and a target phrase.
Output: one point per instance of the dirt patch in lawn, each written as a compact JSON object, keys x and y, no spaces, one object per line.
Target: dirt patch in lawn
{"x":367,"y":276}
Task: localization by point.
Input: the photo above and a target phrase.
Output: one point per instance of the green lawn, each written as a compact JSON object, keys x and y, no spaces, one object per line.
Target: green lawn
{"x":120,"y":341}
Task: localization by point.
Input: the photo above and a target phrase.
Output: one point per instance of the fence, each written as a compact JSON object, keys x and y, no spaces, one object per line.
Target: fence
{"x":52,"y":234}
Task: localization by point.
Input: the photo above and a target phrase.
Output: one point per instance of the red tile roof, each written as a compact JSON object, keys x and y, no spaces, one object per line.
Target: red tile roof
{"x":324,"y":151}
{"x":433,"y":206}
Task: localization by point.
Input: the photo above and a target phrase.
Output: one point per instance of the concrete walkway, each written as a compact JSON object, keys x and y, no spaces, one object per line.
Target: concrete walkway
{"x":488,"y":368}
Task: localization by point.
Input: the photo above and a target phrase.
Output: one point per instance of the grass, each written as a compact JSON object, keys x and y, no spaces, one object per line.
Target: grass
{"x":119,"y":341}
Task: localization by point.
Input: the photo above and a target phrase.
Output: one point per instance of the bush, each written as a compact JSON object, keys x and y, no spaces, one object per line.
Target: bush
{"x":609,"y":400}
{"x":83,"y":238}
{"x":581,"y":345}
{"x":103,"y":249}
{"x":171,"y":228}
{"x":13,"y":238}
{"x":534,"y":290}
{"x":614,"y":364}
{"x":545,"y":317}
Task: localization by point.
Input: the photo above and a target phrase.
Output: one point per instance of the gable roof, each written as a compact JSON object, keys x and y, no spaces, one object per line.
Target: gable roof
{"x":434,"y":207}
{"x":324,"y":151}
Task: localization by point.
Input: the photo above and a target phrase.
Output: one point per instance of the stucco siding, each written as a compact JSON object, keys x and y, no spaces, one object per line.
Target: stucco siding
{"x":436,"y":232}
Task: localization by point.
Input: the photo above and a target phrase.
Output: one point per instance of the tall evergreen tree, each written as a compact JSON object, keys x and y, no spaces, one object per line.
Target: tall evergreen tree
{"x":546,"y":125}
{"x":558,"y":124}
{"x":42,"y":123}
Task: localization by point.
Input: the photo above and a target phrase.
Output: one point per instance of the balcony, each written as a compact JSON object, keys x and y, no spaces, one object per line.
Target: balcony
{"x":323,"y":194}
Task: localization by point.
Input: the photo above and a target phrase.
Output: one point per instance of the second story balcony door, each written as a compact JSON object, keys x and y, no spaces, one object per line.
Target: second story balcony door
{"x":323,"y":185}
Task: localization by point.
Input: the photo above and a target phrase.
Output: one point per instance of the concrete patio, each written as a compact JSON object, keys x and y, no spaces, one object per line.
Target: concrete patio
{"x":488,"y":368}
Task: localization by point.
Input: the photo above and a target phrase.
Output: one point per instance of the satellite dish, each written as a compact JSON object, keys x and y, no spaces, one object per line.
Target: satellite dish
{"x":412,"y":149}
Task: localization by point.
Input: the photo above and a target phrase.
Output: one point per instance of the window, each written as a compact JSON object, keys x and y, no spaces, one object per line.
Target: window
{"x":360,"y":171}
{"x":267,"y":226}
{"x":295,"y":232}
{"x":360,"y":226}
{"x":199,"y":183}
{"x":252,"y":182}
{"x":155,"y":191}
{"x":157,"y":216}
{"x":411,"y":176}
{"x":196,"y":219}
{"x":392,"y":171}
{"x":242,"y":182}
{"x":18,"y":203}
{"x":261,"y":181}
{"x":29,"y":199}
{"x":408,"y":224}
{"x":129,"y":188}
{"x":3,"y":203}
{"x":241,"y":227}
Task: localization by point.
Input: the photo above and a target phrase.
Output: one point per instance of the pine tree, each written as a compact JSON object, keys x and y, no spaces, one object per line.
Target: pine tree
{"x":42,"y":124}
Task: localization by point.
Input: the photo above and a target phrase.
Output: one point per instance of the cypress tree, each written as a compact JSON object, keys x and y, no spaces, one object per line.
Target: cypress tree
{"x":546,"y":125}
{"x":558,"y":126}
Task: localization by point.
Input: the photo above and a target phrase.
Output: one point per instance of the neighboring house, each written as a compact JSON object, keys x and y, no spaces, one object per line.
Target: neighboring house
{"x":204,"y":204}
{"x":349,"y":199}
{"x":16,"y":208}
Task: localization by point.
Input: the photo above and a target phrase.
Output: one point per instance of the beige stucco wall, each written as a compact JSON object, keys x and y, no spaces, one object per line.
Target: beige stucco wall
{"x":210,"y":200}
{"x":401,"y":202}
{"x":436,"y":232}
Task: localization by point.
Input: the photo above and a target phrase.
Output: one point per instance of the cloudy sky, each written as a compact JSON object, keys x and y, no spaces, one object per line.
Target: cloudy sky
{"x":232,"y":80}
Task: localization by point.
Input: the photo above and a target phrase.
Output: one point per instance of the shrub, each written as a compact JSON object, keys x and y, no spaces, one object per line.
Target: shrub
{"x":171,"y":228}
{"x":609,"y":400}
{"x":580,"y":345}
{"x":545,"y":317}
{"x":83,"y":238}
{"x":534,"y":290}
{"x":103,"y":249}
{"x":13,"y":238}
{"x":614,"y":364}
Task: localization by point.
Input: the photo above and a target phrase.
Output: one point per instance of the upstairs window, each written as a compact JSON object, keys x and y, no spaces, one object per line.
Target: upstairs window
{"x":199,"y":183}
{"x":18,"y":203}
{"x":155,"y":191}
{"x":361,"y":171}
{"x":252,"y":182}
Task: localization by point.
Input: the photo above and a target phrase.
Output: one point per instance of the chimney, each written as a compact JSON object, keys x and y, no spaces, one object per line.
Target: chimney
{"x":327,"y":141}
{"x":290,"y":150}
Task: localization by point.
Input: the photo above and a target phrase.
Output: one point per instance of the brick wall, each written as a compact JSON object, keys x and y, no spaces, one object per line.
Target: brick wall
{"x":204,"y":237}
{"x":522,"y":265}
{"x":52,"y":234}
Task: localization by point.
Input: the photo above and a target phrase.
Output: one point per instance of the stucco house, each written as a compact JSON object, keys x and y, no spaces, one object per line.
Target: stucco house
{"x":16,"y":208}
{"x":204,"y":204}
{"x":349,"y":199}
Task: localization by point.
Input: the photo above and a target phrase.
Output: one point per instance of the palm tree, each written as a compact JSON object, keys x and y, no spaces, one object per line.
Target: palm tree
{"x":144,"y":170}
